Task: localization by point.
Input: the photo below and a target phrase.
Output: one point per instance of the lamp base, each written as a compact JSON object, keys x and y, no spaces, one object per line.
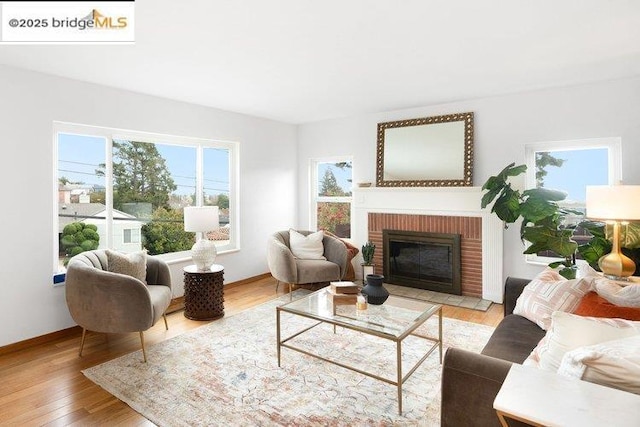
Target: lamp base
{"x":617,"y":266}
{"x":203,"y":254}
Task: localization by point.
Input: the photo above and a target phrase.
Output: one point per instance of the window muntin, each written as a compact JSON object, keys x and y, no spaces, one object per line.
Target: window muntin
{"x":332,"y":197}
{"x":570,"y":166}
{"x":152,"y":216}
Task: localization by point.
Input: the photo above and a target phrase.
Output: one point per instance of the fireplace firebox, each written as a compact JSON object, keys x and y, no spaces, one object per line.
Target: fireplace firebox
{"x":422,"y":260}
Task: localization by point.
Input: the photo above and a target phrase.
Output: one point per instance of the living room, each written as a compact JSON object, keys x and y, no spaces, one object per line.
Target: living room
{"x":573,"y":77}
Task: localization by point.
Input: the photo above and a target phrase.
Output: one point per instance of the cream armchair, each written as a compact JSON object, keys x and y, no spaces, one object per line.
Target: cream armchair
{"x":103,"y":301}
{"x":287,"y":268}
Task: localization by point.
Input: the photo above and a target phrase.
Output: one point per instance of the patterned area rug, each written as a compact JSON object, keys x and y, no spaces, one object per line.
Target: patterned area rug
{"x":226,"y":373}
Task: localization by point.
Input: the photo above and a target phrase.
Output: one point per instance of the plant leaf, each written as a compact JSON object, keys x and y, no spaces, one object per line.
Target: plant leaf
{"x":630,"y":235}
{"x":512,"y":170}
{"x":535,"y":209}
{"x":595,"y":228}
{"x":545,"y":194}
{"x":564,"y":247}
{"x":489,"y":196}
{"x":568,"y":272}
{"x":507,"y":207}
{"x":591,"y":252}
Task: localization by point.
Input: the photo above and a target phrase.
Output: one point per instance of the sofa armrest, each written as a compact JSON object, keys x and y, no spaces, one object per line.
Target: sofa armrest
{"x":281,"y":261}
{"x":512,"y":289}
{"x":470,"y":383}
{"x":336,"y":251}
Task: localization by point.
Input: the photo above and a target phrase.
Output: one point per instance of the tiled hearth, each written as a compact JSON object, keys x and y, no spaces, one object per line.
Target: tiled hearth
{"x":473,"y":303}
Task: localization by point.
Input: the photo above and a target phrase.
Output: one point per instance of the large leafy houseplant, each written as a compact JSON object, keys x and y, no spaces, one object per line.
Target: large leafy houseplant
{"x":543,"y":218}
{"x":543,"y":223}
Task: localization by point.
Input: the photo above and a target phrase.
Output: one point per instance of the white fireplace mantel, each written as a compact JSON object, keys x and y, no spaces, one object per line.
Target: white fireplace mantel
{"x":446,"y":201}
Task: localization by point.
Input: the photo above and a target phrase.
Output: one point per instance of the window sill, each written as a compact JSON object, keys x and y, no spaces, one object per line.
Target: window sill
{"x":171,"y":259}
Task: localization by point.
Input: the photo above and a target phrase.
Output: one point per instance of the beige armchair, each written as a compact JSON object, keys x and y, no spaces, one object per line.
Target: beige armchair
{"x":103,"y":301}
{"x":286,"y":268}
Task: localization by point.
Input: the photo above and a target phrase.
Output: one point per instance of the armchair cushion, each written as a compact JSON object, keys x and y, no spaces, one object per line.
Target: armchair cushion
{"x":316,"y":270}
{"x":133,"y":264}
{"x":307,"y":247}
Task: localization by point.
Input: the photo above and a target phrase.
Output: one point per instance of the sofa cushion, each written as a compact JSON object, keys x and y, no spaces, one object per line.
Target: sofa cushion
{"x":594,"y":305}
{"x":569,"y":332}
{"x":514,"y":339}
{"x":549,"y":292}
{"x":627,"y":296}
{"x":612,"y":363}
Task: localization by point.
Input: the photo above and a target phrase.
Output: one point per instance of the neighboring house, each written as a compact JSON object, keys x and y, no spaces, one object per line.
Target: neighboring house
{"x":76,"y":193}
{"x":127,"y":229}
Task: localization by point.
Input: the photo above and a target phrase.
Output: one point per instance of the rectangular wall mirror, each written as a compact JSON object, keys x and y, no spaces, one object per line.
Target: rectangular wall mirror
{"x":428,"y":152}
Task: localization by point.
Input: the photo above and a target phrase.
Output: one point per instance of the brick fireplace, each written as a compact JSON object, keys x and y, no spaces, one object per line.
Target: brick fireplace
{"x":441,"y":210}
{"x":469,"y":229}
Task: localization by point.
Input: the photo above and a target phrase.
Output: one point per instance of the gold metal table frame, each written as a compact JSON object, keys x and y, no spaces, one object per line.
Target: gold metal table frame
{"x":309,"y":307}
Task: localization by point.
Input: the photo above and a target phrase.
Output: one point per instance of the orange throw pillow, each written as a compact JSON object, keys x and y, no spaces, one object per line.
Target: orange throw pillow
{"x":593,"y":305}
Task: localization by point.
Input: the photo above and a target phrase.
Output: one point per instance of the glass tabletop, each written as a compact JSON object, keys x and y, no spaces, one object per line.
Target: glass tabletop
{"x":398,"y":316}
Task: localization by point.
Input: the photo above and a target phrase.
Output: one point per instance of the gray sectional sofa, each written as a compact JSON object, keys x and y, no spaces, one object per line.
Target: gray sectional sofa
{"x":471,"y":381}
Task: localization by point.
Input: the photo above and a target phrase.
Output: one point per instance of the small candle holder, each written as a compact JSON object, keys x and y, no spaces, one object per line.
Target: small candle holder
{"x":361,"y":302}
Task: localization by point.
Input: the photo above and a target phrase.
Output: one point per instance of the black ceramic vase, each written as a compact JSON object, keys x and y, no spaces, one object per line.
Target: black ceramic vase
{"x":375,"y":292}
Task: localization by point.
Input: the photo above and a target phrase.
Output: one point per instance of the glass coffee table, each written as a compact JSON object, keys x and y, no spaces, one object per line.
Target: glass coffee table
{"x":395,"y":320}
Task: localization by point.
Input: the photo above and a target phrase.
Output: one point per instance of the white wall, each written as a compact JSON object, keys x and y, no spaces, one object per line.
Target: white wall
{"x":503,"y":125}
{"x":29,"y":103}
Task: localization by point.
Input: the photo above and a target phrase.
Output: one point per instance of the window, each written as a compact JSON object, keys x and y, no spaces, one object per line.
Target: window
{"x":126,"y":190}
{"x":131,"y":235}
{"x":331,"y":210}
{"x":571,"y":166}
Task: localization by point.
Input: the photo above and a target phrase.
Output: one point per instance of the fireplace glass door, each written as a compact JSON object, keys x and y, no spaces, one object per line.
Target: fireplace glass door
{"x":422,"y":260}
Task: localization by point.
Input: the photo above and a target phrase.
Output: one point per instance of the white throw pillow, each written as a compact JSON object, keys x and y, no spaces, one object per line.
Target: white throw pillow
{"x":133,"y":264}
{"x":307,"y":247}
{"x":613,"y":363}
{"x":549,"y":292}
{"x":615,"y":293}
{"x":569,"y":331}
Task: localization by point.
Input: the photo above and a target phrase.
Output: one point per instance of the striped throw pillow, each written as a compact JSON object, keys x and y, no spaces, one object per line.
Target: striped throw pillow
{"x":549,"y":292}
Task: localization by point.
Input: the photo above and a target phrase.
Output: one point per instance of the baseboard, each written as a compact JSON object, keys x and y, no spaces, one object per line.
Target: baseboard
{"x":177,"y":304}
{"x":42,"y":339}
{"x":248,"y":280}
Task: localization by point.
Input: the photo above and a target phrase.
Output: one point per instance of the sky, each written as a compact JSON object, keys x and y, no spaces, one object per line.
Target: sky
{"x":343,"y":176}
{"x":79,"y":156}
{"x":581,"y":168}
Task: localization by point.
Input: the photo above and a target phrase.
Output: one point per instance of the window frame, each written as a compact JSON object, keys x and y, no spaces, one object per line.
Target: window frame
{"x":315,"y":198}
{"x":135,"y":235}
{"x":614,"y":153}
{"x":110,"y":134}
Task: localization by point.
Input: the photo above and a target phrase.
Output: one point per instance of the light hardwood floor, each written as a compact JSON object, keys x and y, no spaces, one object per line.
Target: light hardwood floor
{"x":41,"y":384}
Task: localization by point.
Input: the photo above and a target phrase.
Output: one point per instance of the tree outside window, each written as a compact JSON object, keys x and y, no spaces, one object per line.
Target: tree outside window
{"x":333,"y":197}
{"x":151,"y":184}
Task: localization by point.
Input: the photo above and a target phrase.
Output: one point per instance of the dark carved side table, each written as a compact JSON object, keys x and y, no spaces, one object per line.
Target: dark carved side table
{"x":203,"y":293}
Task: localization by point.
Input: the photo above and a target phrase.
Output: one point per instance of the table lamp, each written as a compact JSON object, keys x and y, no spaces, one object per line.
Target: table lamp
{"x":614,"y":204}
{"x":201,"y":219}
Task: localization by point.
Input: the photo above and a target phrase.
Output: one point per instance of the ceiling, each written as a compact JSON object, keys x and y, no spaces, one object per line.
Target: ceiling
{"x":301,"y":61}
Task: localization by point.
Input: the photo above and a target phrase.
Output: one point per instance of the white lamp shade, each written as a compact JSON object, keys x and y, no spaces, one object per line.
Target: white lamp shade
{"x":613,"y":202}
{"x":201,"y":218}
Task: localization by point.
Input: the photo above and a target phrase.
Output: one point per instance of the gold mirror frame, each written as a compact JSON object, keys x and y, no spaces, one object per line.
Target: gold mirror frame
{"x":467,"y":165}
